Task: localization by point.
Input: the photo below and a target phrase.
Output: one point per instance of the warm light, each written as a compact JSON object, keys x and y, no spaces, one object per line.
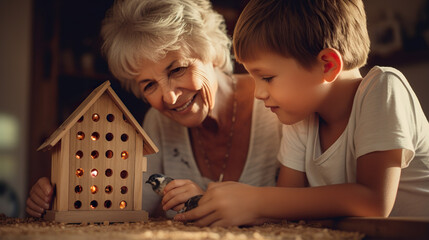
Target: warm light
{"x":94,"y":172}
{"x":95,"y":117}
{"x":80,"y":136}
{"x":108,"y":189}
{"x":122,"y":204}
{"x":95,"y":136}
{"x":94,"y":154}
{"x":93,"y":204}
{"x":124,"y":155}
{"x":109,"y":153}
{"x":79,"y":154}
{"x":94,"y":189}
{"x":79,"y":172}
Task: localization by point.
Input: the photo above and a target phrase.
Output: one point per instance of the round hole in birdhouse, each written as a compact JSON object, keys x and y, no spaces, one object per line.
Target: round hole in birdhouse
{"x":124,"y":137}
{"x":94,"y":189}
{"x":80,"y":135}
{"x":108,"y":172}
{"x":79,"y":172}
{"x":95,"y":117}
{"x":77,"y":204}
{"x":124,"y":189}
{"x":94,"y":204}
{"x":110,"y":117}
{"x":107,"y":204}
{"x":95,"y":136}
{"x":94,"y":172}
{"x":94,"y":154}
{"x":80,"y":119}
{"x":78,"y":189}
{"x":109,"y":153}
{"x":124,"y":174}
{"x":122,"y":204}
{"x":124,"y":154}
{"x":79,"y":154}
{"x":109,"y":137}
{"x":108,"y":189}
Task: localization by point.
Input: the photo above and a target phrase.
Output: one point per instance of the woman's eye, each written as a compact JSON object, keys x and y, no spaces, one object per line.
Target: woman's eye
{"x":149,"y":86}
{"x":177,"y":71}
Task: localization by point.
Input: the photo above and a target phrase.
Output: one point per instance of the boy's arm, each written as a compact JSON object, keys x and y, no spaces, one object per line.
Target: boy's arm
{"x":289,"y":177}
{"x":373,"y":194}
{"x":226,"y":204}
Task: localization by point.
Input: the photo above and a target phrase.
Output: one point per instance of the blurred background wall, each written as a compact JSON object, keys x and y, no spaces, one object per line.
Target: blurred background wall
{"x":50,"y":61}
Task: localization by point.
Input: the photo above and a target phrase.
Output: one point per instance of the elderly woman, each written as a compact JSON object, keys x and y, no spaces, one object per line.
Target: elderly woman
{"x":175,"y":55}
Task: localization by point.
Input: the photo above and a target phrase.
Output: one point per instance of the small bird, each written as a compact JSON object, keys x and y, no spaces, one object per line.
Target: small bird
{"x":158,"y":182}
{"x":191,"y":203}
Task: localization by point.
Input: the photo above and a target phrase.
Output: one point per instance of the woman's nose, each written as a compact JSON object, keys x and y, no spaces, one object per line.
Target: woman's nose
{"x":170,"y":94}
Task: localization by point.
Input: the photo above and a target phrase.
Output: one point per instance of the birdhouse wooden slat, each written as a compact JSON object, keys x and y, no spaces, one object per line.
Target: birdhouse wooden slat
{"x":98,"y":162}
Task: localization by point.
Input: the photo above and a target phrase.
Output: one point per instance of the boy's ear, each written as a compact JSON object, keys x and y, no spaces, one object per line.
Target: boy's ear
{"x":332,"y":63}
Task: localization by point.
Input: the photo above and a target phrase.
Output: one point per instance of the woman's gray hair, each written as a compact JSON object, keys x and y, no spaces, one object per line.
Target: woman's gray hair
{"x":134,"y":30}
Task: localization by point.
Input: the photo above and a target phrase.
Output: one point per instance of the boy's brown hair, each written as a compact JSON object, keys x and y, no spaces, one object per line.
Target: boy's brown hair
{"x":300,"y":29}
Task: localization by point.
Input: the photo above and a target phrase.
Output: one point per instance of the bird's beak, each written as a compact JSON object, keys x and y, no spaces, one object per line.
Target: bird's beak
{"x":147,"y":181}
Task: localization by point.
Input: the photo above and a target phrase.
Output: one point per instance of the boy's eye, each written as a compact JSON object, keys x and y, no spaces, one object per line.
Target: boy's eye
{"x":267,"y":79}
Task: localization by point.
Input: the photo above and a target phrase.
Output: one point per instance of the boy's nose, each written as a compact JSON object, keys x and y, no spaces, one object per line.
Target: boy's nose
{"x":260,"y":90}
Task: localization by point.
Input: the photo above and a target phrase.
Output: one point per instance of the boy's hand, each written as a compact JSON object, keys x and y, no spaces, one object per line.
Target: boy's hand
{"x":177,"y":192}
{"x":225,"y":204}
{"x":39,"y":198}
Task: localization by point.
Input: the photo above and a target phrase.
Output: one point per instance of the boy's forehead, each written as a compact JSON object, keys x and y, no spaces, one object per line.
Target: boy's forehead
{"x":261,"y":61}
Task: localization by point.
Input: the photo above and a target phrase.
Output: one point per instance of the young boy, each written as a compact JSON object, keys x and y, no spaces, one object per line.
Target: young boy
{"x":351,"y":146}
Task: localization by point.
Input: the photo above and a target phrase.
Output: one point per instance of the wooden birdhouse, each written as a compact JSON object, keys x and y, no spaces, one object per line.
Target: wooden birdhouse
{"x":98,"y":162}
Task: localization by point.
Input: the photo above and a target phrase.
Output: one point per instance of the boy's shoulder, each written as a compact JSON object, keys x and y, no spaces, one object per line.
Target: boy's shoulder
{"x":380,"y":71}
{"x":383,"y":77}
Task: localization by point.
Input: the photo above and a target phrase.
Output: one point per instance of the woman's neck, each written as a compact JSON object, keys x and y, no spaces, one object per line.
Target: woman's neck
{"x":219,"y":118}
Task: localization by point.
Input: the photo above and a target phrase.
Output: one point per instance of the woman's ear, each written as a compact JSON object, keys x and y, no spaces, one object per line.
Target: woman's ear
{"x":332,"y":63}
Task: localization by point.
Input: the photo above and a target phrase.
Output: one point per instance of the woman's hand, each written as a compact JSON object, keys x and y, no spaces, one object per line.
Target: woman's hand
{"x":226,"y":204}
{"x":39,"y":198}
{"x":177,"y":192}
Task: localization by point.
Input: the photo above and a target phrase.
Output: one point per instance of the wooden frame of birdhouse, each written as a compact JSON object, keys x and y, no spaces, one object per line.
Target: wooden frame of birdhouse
{"x":98,"y":162}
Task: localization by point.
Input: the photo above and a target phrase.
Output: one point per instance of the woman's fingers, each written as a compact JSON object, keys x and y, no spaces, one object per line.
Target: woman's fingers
{"x":34,"y":209}
{"x":177,"y":192}
{"x":39,"y":198}
{"x":201,"y":216}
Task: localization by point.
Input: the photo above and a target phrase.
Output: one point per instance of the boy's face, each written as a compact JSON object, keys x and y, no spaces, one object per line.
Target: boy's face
{"x":289,"y":90}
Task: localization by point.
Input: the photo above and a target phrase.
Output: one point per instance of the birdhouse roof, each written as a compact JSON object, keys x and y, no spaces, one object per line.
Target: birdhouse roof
{"x":148,"y":147}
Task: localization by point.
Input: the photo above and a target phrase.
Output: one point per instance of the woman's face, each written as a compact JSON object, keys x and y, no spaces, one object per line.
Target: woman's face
{"x":180,"y":87}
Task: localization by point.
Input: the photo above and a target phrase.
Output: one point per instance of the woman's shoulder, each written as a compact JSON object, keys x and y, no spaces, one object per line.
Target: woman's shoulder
{"x":156,"y":121}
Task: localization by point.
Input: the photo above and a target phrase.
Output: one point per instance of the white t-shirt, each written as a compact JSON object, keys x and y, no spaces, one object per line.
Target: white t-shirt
{"x":175,"y":157}
{"x":386,"y":115}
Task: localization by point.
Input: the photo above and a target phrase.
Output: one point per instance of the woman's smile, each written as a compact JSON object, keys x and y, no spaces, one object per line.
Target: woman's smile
{"x":186,"y":105}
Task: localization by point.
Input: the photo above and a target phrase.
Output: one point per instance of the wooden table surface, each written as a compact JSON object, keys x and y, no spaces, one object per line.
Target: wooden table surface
{"x":34,"y":229}
{"x":342,"y":228}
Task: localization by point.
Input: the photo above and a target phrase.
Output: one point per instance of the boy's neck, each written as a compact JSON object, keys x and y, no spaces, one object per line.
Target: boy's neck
{"x":337,"y":106}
